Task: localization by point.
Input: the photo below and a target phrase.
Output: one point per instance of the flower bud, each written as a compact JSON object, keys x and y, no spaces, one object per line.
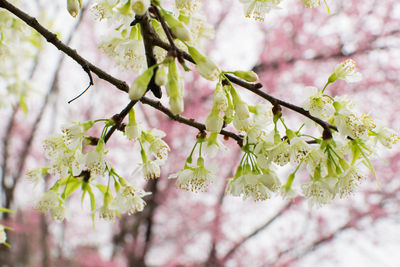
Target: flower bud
{"x":174,"y":85}
{"x":176,"y":104}
{"x":214,"y":121}
{"x":139,"y":86}
{"x":132,"y":129}
{"x":73,"y":7}
{"x":177,"y":27}
{"x":140,"y":6}
{"x":248,"y":76}
{"x":220,"y":100}
{"x":161,"y":76}
{"x":204,"y":65}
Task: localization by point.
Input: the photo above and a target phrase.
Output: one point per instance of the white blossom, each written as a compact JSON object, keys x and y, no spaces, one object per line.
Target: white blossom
{"x":299,"y":149}
{"x":387,"y":137}
{"x":353,"y":125}
{"x":159,"y":148}
{"x":317,"y":104}
{"x":280,"y":154}
{"x":194,"y":178}
{"x":96,"y":162}
{"x":35,"y":175}
{"x":106,"y":213}
{"x":49,"y":201}
{"x":349,"y":180}
{"x":248,"y":185}
{"x":58,"y":213}
{"x":151,"y":169}
{"x":347,"y":71}
{"x":129,"y":200}
{"x":319,"y":192}
{"x":311,"y":3}
{"x":258,"y":8}
{"x":3,"y":235}
{"x":189,"y":5}
{"x":73,"y":134}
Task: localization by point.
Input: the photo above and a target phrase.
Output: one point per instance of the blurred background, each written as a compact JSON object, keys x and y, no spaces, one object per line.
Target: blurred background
{"x":294,"y":47}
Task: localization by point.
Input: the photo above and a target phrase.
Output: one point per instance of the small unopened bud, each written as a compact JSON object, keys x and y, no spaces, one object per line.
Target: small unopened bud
{"x":248,"y":76}
{"x":177,"y":27}
{"x":176,"y":104}
{"x":139,"y":86}
{"x":161,"y":77}
{"x":214,"y":121}
{"x":73,"y":7}
{"x":204,"y":65}
{"x":140,"y":6}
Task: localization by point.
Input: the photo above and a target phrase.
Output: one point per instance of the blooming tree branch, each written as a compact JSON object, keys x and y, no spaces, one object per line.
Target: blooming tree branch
{"x":156,"y":45}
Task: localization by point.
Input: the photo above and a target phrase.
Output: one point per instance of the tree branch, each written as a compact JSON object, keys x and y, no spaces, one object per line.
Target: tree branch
{"x":191,"y":122}
{"x":52,"y":38}
{"x":121,"y":85}
{"x":256,"y":231}
{"x":255,"y":88}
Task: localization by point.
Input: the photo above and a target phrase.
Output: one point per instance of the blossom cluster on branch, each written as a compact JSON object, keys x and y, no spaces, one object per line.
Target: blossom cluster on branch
{"x":160,"y":44}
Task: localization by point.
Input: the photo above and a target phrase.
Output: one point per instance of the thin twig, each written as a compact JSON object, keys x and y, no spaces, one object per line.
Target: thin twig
{"x":156,"y":41}
{"x":121,"y":116}
{"x":256,"y":231}
{"x":191,"y":122}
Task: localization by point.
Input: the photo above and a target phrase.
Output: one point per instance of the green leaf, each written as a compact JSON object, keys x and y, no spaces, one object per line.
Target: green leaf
{"x":92,"y":202}
{"x":368,"y":163}
{"x":22,"y":104}
{"x":6,"y":210}
{"x":102,"y":188}
{"x":71,"y":187}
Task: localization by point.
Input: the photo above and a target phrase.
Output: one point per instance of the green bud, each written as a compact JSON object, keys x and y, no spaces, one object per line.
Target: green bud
{"x":249,"y":76}
{"x":161,"y":76}
{"x":173,"y":85}
{"x":132,"y":117}
{"x":139,"y":86}
{"x":177,"y":27}
{"x":176,"y":104}
{"x":73,"y":7}
{"x":332,"y":78}
{"x":140,"y":6}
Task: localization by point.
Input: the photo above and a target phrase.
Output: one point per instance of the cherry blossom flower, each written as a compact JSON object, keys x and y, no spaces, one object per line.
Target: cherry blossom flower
{"x":317,"y":104}
{"x":3,"y":235}
{"x":258,"y":8}
{"x":129,"y":200}
{"x":311,"y":3}
{"x":194,"y":178}
{"x":347,"y":71}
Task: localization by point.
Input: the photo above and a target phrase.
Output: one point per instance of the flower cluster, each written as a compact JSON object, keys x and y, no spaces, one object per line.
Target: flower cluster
{"x":335,"y":159}
{"x":75,"y":168}
{"x":257,"y":9}
{"x":125,"y":43}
